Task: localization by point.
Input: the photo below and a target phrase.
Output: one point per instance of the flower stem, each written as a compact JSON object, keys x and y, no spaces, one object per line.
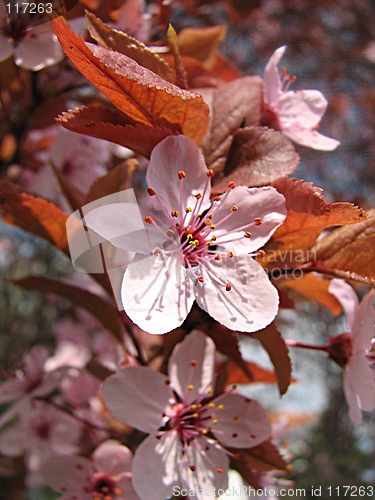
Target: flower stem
{"x":294,"y":343}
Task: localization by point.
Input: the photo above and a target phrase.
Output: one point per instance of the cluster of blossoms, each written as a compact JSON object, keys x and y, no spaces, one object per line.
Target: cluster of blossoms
{"x":156,"y":417}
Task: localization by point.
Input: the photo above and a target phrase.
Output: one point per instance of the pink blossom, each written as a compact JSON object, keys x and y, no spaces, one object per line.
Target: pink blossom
{"x":350,"y":349}
{"x":33,"y":48}
{"x":193,"y":248}
{"x":30,"y":381}
{"x":105,"y":476}
{"x":297,"y":114}
{"x":189,"y":432}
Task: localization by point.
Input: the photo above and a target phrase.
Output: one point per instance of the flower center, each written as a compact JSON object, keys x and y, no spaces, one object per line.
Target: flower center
{"x":192,"y":231}
{"x":104,"y":487}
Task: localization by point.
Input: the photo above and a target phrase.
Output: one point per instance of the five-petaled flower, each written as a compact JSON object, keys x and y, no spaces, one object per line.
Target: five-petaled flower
{"x":350,"y":349}
{"x":193,"y":248}
{"x":105,"y":476}
{"x":189,"y":431}
{"x":296,"y":114}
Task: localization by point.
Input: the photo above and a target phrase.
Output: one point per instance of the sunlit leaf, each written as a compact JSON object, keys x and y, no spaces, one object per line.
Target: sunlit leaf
{"x":201,"y":43}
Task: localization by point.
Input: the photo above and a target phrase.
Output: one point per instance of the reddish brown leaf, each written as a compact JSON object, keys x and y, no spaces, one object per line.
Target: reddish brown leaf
{"x":236,"y":375}
{"x":233,"y":105}
{"x":111,"y":125}
{"x":180,"y":70}
{"x":264,"y":457}
{"x":125,"y":44}
{"x":117,"y":179}
{"x":272,"y":341}
{"x":313,"y":288}
{"x":34,"y":215}
{"x":108,"y":316}
{"x":201,"y":43}
{"x":258,"y":156}
{"x":138,"y":92}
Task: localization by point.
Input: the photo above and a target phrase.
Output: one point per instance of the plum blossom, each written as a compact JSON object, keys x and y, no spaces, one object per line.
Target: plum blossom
{"x":350,"y":349}
{"x":105,"y":476}
{"x":189,"y":431}
{"x":193,"y":248}
{"x":33,"y":48}
{"x":296,"y":114}
{"x":30,"y":381}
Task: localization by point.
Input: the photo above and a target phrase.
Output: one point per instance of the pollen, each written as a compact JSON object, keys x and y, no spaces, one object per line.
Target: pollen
{"x":234,"y":208}
{"x":117,"y":491}
{"x":192,"y":468}
{"x":257,"y":221}
{"x":231,"y":185}
{"x":174,"y":213}
{"x":212,"y":226}
{"x":217,"y":257}
{"x":204,"y":431}
{"x":167,"y":382}
{"x":151,"y":192}
{"x":211,"y":405}
{"x":200,"y":279}
{"x":221,"y":407}
{"x":193,"y":407}
{"x":215,"y":421}
{"x":208,"y":243}
{"x":209,"y":391}
{"x":261,"y":253}
{"x":234,"y":435}
{"x":189,"y":236}
{"x":217,"y":198}
{"x":193,"y":363}
{"x":213,"y":237}
{"x":219,"y":470}
{"x":198,"y":196}
{"x":247,"y":234}
{"x":181,"y":174}
{"x":210,"y":173}
{"x":148,"y":219}
{"x":190,"y":387}
{"x":228,"y":287}
{"x":195,"y":415}
{"x":187,"y":210}
{"x":230,"y":254}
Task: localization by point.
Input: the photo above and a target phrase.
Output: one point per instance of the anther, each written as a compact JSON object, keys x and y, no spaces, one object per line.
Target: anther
{"x":234,"y":435}
{"x":211,"y":405}
{"x":167,"y":382}
{"x":208,"y":243}
{"x":257,"y":221}
{"x":217,"y":257}
{"x":213,"y":237}
{"x":217,"y":198}
{"x":212,"y":226}
{"x":261,"y":253}
{"x":200,"y":279}
{"x":117,"y":491}
{"x":228,"y":288}
{"x":247,"y":235}
{"x":151,"y":192}
{"x":283,"y":71}
{"x":221,"y":407}
{"x":231,"y":185}
{"x":230,"y":254}
{"x":148,"y":219}
{"x":187,"y":210}
{"x":170,"y":233}
{"x":215,"y":421}
{"x":198,"y":196}
{"x":174,"y":213}
{"x":190,"y":387}
{"x":181,"y":174}
{"x":192,"y":468}
{"x":193,"y":362}
{"x":193,"y":407}
{"x":234,"y":208}
{"x":210,"y":173}
{"x":219,"y":470}
{"x":195,"y":415}
{"x":209,"y":391}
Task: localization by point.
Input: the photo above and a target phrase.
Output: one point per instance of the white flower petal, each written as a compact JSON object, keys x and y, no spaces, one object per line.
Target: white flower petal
{"x":201,"y":349}
{"x":137,"y":396}
{"x":264,"y":203}
{"x":157,"y":293}
{"x":272,"y":83}
{"x":347,"y":297}
{"x":39,"y":50}
{"x":250,"y":428}
{"x":66,"y":473}
{"x":304,"y":108}
{"x":112,"y":457}
{"x":252,"y":302}
{"x":310,"y":138}
{"x":171,"y":155}
{"x":155,"y":465}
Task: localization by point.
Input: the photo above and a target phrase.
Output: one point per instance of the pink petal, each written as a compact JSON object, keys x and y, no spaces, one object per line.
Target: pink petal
{"x":195,"y":347}
{"x":363,"y":325}
{"x":6,"y":47}
{"x":310,"y":138}
{"x":157,"y":293}
{"x":207,"y":460}
{"x":40,"y":50}
{"x":272,"y":83}
{"x":138,"y":396}
{"x":33,"y":362}
{"x":304,"y":108}
{"x":155,"y":466}
{"x":347,"y":297}
{"x":249,"y":429}
{"x":11,"y":389}
{"x":112,"y":457}
{"x":67,"y":474}
{"x":264,"y":203}
{"x":171,"y":155}
{"x":252,"y":302}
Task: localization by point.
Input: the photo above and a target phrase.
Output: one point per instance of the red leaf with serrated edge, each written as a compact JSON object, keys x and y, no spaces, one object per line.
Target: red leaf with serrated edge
{"x":272,"y":341}
{"x":264,"y":457}
{"x":138,"y":92}
{"x":236,"y":375}
{"x":89,"y":120}
{"x":108,"y":316}
{"x":258,"y":156}
{"x":117,"y":179}
{"x":34,"y":215}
